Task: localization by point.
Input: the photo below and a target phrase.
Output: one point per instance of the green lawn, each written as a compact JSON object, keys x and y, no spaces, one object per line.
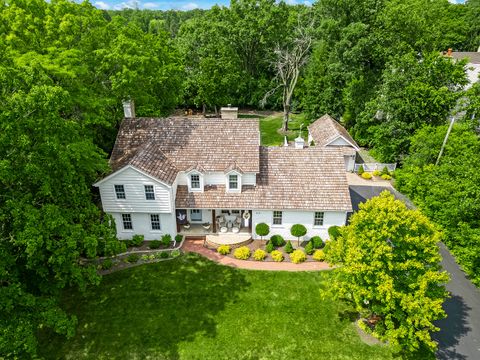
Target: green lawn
{"x":192,"y":308}
{"x":269,"y":126}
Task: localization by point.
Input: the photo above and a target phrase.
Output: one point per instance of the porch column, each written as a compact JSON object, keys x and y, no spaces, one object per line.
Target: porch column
{"x":214,"y":222}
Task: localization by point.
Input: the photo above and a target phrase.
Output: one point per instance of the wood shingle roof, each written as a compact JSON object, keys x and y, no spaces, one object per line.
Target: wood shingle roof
{"x":326,"y":129}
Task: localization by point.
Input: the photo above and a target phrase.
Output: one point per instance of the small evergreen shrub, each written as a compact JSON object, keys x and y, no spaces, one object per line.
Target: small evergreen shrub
{"x":319,"y":255}
{"x":166,"y":239}
{"x":269,"y":247}
{"x":385,"y":171}
{"x":317,"y":242}
{"x":137,"y":240}
{"x":242,"y":253}
{"x":133,"y":258}
{"x":366,"y":175}
{"x":224,"y":249}
{"x":289,"y":247}
{"x":259,"y":255}
{"x":178,"y":238}
{"x":164,"y":255}
{"x":262,"y":229}
{"x":361,"y":170}
{"x":175,"y":253}
{"x":298,"y":256}
{"x":386,"y":177}
{"x":107,"y":264}
{"x":376,"y":173}
{"x":334,"y":232}
{"x":277,"y":240}
{"x":277,"y":255}
{"x":309,"y":248}
{"x":154,"y":244}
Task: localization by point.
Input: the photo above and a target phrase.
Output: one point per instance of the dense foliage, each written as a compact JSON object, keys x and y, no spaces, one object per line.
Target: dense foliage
{"x":391,"y":271}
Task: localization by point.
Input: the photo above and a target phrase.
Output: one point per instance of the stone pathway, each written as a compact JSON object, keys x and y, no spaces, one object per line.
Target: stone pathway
{"x":196,"y":246}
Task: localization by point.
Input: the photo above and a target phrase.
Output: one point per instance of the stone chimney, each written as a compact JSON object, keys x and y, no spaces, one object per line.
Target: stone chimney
{"x":229,"y":112}
{"x":299,"y":143}
{"x":128,"y":108}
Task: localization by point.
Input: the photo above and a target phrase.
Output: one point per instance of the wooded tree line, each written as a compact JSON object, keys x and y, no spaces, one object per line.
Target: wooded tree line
{"x":65,"y":67}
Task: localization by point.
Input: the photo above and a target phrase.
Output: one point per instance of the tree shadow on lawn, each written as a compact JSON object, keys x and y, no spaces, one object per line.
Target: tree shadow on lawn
{"x":148,"y":310}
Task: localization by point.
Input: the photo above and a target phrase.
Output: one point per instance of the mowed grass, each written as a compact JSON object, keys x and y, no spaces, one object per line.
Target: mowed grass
{"x":269,"y":126}
{"x":192,"y":308}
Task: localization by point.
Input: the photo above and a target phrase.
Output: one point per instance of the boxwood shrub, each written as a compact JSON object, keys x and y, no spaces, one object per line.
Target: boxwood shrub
{"x":289,"y":247}
{"x":133,"y":258}
{"x":137,"y":240}
{"x":269,"y":247}
{"x":309,"y":248}
{"x":317,"y":242}
{"x":154,"y":244}
{"x":107,"y":264}
{"x":277,"y":240}
{"x":178,"y":238}
{"x":166,"y":239}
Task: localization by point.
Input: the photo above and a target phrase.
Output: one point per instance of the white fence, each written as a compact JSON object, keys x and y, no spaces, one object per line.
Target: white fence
{"x":375,"y":166}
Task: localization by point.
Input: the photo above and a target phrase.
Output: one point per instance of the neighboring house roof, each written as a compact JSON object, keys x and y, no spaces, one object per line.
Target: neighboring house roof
{"x":303,"y":179}
{"x":163,"y":147}
{"x":326,"y":129}
{"x":473,"y":67}
{"x":473,"y":57}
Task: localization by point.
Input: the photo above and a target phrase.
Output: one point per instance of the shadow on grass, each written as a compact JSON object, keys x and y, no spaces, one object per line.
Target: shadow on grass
{"x":148,"y":310}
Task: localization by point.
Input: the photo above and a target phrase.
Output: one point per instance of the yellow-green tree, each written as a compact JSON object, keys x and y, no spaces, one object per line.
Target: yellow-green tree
{"x":389,"y":268}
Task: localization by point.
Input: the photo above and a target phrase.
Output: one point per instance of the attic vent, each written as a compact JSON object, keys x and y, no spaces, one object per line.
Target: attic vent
{"x":229,"y":112}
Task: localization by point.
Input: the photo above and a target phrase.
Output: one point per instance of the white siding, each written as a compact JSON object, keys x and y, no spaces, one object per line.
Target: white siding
{"x":298,"y":217}
{"x":349,"y":162}
{"x":133,"y":182}
{"x":142,"y":226}
{"x":218,"y":178}
{"x":339,"y":141}
{"x":215,"y":178}
{"x":249,"y":179}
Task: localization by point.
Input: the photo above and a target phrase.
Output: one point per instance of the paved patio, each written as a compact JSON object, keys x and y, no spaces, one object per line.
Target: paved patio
{"x":196,"y":246}
{"x":355,"y":179}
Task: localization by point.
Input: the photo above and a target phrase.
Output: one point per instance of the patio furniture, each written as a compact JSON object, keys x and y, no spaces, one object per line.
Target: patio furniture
{"x":223,"y":229}
{"x":235,"y":230}
{"x":186,"y":226}
{"x":206,"y":226}
{"x":229,"y":224}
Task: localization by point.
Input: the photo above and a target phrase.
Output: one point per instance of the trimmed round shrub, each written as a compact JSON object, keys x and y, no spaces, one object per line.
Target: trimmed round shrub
{"x":298,"y":256}
{"x":277,"y":240}
{"x":262,"y":229}
{"x":166,"y":239}
{"x":269,"y":247}
{"x":376,"y":173}
{"x":317,"y":242}
{"x":361,"y":170}
{"x":242,"y":253}
{"x":259,"y":255}
{"x":298,"y":230}
{"x":175,"y":253}
{"x":319,"y":255}
{"x":277,"y":255}
{"x":164,"y":255}
{"x":334,"y":232}
{"x":133,"y":258}
{"x":178,"y":238}
{"x":386,"y":177}
{"x":107,"y":264}
{"x":154,"y":244}
{"x":309,"y":248}
{"x":289,"y":247}
{"x":224,"y":249}
{"x":137,"y":240}
{"x":366,"y":175}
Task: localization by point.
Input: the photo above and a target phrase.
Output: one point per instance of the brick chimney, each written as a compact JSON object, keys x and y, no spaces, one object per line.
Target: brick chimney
{"x":128,"y":108}
{"x":449,"y":52}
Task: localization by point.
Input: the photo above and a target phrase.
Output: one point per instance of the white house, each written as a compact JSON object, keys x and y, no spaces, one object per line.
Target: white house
{"x":212,"y":176}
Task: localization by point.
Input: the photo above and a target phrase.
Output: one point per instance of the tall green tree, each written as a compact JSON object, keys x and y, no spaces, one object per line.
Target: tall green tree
{"x":389,"y":269}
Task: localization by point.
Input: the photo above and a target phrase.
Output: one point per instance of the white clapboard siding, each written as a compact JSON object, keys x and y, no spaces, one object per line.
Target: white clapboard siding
{"x":291,"y":218}
{"x":215,"y":178}
{"x":133,"y":182}
{"x":142,"y":225}
{"x":340,"y":141}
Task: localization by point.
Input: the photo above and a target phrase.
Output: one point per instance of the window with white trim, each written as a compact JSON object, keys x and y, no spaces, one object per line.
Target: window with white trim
{"x":233,"y":182}
{"x":277,"y":218}
{"x":236,"y":212}
{"x":195,"y":181}
{"x":149,"y":192}
{"x":155,"y":221}
{"x":318,"y":219}
{"x":120,"y":191}
{"x":196,"y":215}
{"x":127,"y":222}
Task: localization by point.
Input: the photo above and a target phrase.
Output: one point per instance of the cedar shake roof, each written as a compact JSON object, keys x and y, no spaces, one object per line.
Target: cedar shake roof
{"x":163,"y":147}
{"x":302,"y":179}
{"x":473,"y":57}
{"x":326,"y":129}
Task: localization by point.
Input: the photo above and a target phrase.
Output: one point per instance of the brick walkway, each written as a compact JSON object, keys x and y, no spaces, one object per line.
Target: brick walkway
{"x":196,"y":246}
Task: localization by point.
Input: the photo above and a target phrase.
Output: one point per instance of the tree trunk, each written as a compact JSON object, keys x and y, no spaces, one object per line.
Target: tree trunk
{"x":286,"y":117}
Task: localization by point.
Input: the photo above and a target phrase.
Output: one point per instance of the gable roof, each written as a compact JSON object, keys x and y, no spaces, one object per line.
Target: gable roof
{"x":326,"y":129}
{"x":303,"y":179}
{"x":164,"y":146}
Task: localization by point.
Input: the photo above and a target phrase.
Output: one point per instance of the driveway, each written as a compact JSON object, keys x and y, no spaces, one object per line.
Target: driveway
{"x":459,"y":335}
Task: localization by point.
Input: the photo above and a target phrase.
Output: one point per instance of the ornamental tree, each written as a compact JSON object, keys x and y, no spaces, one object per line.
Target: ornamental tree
{"x":262,"y":229}
{"x":389,"y":269}
{"x":298,"y":230}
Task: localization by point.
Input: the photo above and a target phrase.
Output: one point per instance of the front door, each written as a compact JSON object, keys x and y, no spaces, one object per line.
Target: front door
{"x":196,"y":215}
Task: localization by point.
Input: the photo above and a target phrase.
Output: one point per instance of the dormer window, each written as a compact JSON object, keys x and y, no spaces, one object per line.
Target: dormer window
{"x":233,"y":182}
{"x":149,"y":192}
{"x":195,"y":181}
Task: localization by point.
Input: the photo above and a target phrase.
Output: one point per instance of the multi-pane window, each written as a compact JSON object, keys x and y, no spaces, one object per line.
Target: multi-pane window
{"x":149,"y":192}
{"x":277,"y":218}
{"x":233,"y":181}
{"x":195,"y":181}
{"x":120,"y":191}
{"x":127,"y":222}
{"x":196,"y":215}
{"x":236,"y":212}
{"x":155,"y":221}
{"x":318,"y":219}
